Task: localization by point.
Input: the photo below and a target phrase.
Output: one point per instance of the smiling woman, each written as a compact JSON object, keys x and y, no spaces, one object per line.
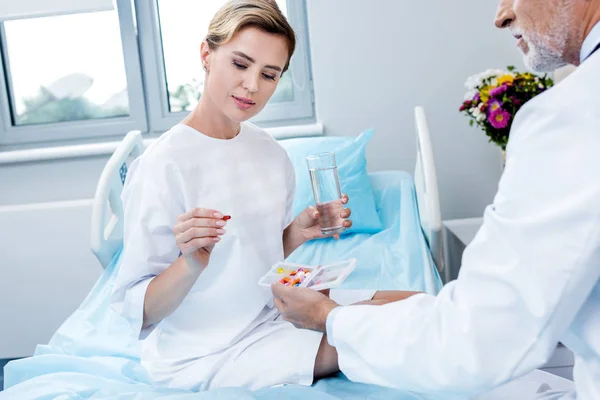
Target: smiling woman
{"x":243,"y":73}
{"x":177,"y":285}
{"x":244,"y":56}
{"x":180,"y":44}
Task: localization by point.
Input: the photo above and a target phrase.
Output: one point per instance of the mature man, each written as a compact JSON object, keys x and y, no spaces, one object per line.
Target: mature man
{"x":531,"y":276}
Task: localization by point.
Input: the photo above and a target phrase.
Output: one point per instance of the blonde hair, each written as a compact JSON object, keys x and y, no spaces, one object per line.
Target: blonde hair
{"x":238,"y":14}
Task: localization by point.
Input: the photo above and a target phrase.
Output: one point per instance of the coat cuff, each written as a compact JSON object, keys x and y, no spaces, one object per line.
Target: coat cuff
{"x":329,"y":325}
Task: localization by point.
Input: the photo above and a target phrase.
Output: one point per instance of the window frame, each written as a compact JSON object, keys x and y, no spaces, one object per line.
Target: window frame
{"x":51,"y":133}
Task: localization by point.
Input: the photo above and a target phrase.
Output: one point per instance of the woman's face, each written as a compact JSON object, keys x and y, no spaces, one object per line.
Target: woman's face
{"x":243,"y":74}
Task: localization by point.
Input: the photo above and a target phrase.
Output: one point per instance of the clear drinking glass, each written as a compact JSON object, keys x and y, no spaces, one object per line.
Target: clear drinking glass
{"x":326,"y":189}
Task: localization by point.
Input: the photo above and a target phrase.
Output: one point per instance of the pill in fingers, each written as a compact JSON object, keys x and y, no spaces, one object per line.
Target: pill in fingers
{"x":226,"y":217}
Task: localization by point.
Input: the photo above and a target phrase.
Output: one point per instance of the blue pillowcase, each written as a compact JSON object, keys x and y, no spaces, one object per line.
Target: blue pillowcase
{"x":352,"y":171}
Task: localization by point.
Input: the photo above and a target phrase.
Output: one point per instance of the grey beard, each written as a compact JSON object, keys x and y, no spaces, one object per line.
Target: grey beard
{"x":548,"y":53}
{"x":541,"y":59}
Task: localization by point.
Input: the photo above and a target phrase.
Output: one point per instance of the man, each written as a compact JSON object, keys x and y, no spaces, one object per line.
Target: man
{"x":530,"y":278}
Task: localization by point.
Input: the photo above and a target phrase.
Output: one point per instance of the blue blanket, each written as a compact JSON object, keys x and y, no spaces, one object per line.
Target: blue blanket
{"x":95,"y":355}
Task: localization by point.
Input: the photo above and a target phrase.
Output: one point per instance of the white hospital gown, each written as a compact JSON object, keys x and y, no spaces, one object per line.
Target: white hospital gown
{"x":225,"y":332}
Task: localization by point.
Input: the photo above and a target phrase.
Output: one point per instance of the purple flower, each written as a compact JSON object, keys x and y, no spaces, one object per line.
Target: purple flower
{"x":493,"y":105}
{"x":476,"y":98}
{"x":499,"y":118}
{"x":498,"y":91}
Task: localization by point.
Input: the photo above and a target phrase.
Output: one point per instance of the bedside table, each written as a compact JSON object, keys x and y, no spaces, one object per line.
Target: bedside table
{"x":458,"y":233}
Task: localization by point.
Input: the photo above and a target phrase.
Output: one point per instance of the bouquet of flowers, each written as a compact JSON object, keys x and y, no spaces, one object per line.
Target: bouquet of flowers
{"x":495,"y":96}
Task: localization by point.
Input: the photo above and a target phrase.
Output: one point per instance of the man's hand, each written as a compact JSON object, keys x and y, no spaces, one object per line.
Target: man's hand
{"x":305,"y":308}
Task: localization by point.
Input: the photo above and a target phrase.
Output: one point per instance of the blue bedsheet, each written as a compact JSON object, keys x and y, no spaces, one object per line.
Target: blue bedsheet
{"x":94,"y":354}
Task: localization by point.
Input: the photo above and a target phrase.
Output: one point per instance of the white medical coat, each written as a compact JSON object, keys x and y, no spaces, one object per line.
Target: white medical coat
{"x":529,"y":279}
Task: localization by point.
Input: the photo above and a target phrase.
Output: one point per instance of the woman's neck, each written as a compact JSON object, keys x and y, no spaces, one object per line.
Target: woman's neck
{"x":209,"y":120}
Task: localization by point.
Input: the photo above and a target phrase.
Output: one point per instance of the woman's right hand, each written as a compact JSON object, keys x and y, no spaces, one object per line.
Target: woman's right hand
{"x":197,"y":231}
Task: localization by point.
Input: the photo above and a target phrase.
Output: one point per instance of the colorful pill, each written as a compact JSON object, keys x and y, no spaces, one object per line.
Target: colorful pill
{"x":226,"y":217}
{"x":280,"y":270}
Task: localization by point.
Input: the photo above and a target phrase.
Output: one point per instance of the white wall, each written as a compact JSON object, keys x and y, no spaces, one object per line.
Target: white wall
{"x":60,"y":180}
{"x":46,"y":270}
{"x":373,"y":61}
{"x":46,"y":266}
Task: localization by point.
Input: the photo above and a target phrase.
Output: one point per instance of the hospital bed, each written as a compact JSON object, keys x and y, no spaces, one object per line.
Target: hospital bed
{"x":95,"y":355}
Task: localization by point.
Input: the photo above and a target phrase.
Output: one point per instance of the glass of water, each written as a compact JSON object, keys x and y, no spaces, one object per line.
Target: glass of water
{"x":326,"y":189}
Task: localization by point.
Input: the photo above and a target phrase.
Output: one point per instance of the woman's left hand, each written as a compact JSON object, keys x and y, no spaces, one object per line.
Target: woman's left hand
{"x":307,"y":222}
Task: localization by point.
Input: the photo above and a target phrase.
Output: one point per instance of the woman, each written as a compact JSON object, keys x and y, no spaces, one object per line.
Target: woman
{"x":188,"y":278}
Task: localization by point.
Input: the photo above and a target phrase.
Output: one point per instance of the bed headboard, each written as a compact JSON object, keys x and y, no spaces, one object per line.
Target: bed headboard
{"x":426,"y":184}
{"x":107,"y":209}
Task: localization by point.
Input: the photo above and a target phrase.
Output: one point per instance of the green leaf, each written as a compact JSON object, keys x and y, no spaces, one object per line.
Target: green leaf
{"x":471,"y":122}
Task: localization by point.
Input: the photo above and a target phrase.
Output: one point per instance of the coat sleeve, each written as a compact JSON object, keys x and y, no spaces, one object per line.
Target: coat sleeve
{"x":523,"y":279}
{"x":152,"y":202}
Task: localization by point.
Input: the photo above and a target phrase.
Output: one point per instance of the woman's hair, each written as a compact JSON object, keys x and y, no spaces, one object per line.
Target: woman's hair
{"x":238,"y":14}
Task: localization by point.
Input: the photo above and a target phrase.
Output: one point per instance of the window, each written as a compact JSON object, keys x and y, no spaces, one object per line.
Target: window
{"x":71,"y":70}
{"x":82,"y":78}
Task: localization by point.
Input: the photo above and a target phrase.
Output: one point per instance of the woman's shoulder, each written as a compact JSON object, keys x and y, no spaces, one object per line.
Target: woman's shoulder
{"x":255,"y":131}
{"x":162,"y":155}
{"x":169,"y":146}
{"x":266,"y":140}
